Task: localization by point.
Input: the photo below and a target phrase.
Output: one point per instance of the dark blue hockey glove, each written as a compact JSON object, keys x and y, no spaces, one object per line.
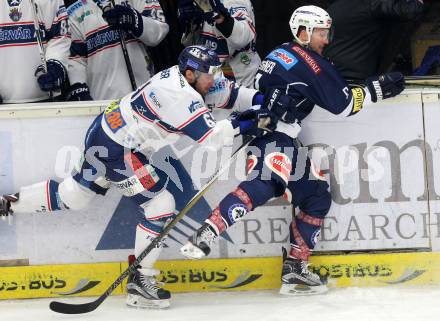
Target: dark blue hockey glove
{"x":254,"y":122}
{"x":124,"y":18}
{"x":218,"y":6}
{"x":54,"y":78}
{"x":79,"y":92}
{"x":282,"y":105}
{"x":189,"y":13}
{"x":385,"y":86}
{"x":218,"y":9}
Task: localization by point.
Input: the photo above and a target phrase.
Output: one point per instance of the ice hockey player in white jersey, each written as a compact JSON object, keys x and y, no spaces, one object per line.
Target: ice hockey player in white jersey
{"x":97,"y":67}
{"x":228,"y":28}
{"x":122,"y":148}
{"x":23,"y":76}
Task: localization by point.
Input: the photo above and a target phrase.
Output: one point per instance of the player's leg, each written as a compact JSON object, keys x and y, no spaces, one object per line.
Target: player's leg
{"x":312,"y":198}
{"x":134,"y":177}
{"x":270,"y":173}
{"x":75,"y":192}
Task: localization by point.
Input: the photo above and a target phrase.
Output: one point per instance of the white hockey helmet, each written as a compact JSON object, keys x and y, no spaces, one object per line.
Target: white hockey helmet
{"x":310,"y":17}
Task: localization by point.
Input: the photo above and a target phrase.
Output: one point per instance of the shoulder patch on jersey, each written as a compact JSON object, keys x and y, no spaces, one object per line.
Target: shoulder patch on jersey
{"x":285,"y":58}
{"x":308,"y":59}
{"x":240,"y":10}
{"x":113,"y":117}
{"x":75,"y":6}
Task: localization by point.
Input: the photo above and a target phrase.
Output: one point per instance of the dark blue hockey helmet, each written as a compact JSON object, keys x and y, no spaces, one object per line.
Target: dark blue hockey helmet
{"x":199,"y":58}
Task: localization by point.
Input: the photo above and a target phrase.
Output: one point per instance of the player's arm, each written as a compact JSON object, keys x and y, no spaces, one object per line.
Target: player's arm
{"x":54,"y":17}
{"x":236,"y":24}
{"x":397,"y":9}
{"x":144,"y":19}
{"x":153,"y":18}
{"x":226,"y":94}
{"x":77,"y":65}
{"x":375,"y":89}
{"x":205,"y":130}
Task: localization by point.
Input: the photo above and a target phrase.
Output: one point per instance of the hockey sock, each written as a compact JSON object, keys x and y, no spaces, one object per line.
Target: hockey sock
{"x":246,"y":197}
{"x":146,"y":232}
{"x":39,"y":197}
{"x":304,"y":233}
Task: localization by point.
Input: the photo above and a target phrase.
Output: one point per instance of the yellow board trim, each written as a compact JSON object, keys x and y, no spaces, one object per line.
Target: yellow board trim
{"x":241,"y":274}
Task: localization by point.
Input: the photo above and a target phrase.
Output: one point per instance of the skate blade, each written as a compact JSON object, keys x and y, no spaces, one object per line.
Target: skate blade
{"x":191,"y":251}
{"x":137,"y":301}
{"x":300,"y":289}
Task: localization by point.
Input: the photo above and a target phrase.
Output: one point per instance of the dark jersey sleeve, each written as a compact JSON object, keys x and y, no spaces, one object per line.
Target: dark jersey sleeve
{"x":303,"y":74}
{"x":401,"y":10}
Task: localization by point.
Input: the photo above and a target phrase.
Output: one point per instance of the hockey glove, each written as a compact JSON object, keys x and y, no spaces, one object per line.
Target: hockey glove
{"x":254,"y":122}
{"x":282,"y":105}
{"x":385,"y":86}
{"x":79,"y":92}
{"x":189,"y":13}
{"x":218,"y":9}
{"x":124,"y":18}
{"x":54,"y":78}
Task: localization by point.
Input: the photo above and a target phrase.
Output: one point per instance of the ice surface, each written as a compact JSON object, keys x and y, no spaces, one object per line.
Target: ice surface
{"x":353,"y":304}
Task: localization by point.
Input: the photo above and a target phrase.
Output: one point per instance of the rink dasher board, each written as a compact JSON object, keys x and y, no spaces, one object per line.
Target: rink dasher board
{"x":393,"y":213}
{"x":359,"y":270}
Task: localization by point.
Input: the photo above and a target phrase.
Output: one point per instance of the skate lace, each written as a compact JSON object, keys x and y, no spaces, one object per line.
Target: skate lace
{"x":309,"y":274}
{"x":150,"y":282}
{"x":207,"y":236}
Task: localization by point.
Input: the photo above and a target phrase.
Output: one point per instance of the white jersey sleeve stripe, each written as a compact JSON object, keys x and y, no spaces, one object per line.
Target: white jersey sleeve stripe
{"x":201,"y":112}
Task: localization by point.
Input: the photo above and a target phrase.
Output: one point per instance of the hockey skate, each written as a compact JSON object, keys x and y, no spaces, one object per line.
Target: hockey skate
{"x":297,"y":279}
{"x":144,"y":291}
{"x":198,"y":245}
{"x":5,"y":204}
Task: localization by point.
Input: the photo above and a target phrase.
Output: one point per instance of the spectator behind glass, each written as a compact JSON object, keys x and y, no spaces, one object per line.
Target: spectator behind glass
{"x":360,"y":32}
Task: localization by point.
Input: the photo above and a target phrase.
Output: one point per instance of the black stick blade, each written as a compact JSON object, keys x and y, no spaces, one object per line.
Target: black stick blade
{"x":67,"y":308}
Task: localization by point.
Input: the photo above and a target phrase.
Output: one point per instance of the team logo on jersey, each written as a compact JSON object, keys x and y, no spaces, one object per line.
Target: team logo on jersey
{"x":285,"y":58}
{"x":14,"y":14}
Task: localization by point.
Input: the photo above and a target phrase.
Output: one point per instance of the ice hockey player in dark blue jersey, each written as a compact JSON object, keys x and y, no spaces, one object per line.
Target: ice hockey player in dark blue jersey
{"x":294,"y":78}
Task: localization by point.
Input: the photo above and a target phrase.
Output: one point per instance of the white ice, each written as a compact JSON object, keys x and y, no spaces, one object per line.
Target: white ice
{"x":353,"y":304}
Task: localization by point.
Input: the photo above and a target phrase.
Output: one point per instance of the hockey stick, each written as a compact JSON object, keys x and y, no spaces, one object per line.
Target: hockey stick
{"x":41,"y":49}
{"x":68,"y":308}
{"x":424,"y":81}
{"x":123,"y":47}
{"x":204,"y":5}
